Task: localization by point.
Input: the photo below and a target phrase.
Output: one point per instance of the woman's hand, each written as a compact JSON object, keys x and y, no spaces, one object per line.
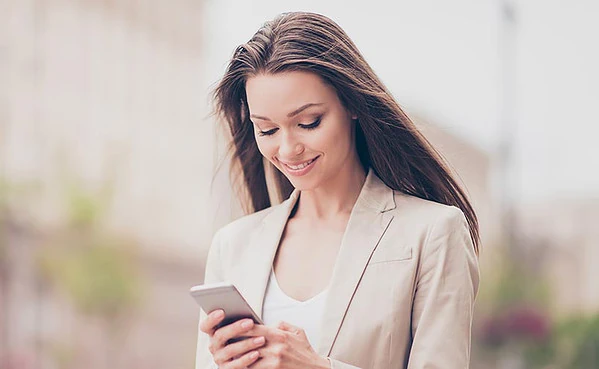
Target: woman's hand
{"x":287,"y":347}
{"x":236,"y":355}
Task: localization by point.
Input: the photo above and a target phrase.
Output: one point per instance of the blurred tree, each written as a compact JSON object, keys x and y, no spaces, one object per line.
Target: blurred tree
{"x":3,"y":218}
{"x":514,"y":283}
{"x":513,"y":307}
{"x":514,"y":318}
{"x":576,"y":340}
{"x":96,"y":269}
{"x":16,"y":231}
{"x":14,"y":222}
{"x":3,"y":270}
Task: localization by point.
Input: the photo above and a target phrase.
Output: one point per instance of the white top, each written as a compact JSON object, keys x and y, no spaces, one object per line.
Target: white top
{"x":304,"y":314}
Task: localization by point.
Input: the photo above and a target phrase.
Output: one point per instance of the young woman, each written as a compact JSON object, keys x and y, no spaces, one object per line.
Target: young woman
{"x":371,"y":261}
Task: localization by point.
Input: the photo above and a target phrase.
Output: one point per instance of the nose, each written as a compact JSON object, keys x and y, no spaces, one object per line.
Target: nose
{"x":290,"y":147}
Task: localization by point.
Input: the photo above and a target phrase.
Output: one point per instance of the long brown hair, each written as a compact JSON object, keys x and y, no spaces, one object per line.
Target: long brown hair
{"x":386,"y":139}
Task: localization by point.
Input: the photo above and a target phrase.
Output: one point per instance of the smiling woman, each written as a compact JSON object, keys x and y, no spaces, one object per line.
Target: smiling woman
{"x":370,"y":261}
{"x":317,"y":138}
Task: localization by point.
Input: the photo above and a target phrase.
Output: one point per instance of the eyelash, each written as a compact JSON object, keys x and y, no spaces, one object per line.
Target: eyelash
{"x":310,"y":126}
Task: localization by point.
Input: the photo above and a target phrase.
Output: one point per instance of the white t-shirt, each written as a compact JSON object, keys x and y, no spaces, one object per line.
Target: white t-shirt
{"x":304,"y":314}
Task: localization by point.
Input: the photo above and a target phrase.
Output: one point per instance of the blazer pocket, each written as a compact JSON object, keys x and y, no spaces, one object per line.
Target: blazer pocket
{"x":389,"y":254}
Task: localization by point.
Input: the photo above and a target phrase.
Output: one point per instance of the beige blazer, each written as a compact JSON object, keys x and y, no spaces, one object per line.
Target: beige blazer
{"x":402,"y":290}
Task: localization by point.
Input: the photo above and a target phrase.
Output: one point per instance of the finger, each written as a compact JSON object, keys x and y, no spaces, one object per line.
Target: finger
{"x":244,"y":361}
{"x":270,"y":333}
{"x":287,"y":327}
{"x":212,"y":320}
{"x":265,"y":362}
{"x":237,"y":349}
{"x":297,"y":331}
{"x":233,"y":330}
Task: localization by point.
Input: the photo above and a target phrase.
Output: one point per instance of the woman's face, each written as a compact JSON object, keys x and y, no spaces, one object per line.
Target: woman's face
{"x":301,"y":127}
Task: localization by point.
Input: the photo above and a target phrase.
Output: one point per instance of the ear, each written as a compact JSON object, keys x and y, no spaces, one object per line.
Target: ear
{"x":351,"y":113}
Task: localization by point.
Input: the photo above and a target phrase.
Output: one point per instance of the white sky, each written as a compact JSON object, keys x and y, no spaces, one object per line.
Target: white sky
{"x":441,"y":59}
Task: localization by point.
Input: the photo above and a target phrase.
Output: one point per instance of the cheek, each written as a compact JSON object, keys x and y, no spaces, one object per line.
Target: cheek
{"x":266,"y":147}
{"x":336,"y":138}
{"x":322,"y":141}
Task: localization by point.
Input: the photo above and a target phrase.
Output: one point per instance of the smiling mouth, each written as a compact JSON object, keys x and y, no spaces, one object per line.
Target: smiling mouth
{"x":300,"y":166}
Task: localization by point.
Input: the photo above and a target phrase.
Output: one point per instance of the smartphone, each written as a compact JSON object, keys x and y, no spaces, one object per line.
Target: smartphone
{"x":224,"y":296}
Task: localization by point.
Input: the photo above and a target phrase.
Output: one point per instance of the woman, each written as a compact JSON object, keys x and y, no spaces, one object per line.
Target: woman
{"x":371,"y":261}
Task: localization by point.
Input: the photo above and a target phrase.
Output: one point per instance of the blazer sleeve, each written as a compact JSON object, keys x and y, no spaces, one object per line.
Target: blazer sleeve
{"x":336,"y":364}
{"x":446,"y":287}
{"x":213,"y":273}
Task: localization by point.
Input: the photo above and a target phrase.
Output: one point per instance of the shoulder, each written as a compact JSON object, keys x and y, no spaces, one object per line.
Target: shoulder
{"x":242,"y":227}
{"x":229,"y":241}
{"x":426,"y":213}
{"x":410,"y":213}
{"x":238,"y":232}
{"x":427,"y":225}
{"x":439,"y":236}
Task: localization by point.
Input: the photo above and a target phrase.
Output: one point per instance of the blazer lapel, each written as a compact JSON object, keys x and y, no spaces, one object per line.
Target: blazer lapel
{"x":368,"y":222}
{"x":251,"y":279}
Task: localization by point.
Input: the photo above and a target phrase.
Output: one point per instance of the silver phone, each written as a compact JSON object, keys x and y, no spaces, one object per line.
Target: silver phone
{"x":224,"y":296}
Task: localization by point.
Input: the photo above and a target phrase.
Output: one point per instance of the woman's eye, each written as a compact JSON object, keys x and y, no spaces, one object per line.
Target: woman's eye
{"x":312,"y":125}
{"x":267,"y":133}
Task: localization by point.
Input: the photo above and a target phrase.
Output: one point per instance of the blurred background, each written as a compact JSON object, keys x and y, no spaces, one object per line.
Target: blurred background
{"x":112,"y":178}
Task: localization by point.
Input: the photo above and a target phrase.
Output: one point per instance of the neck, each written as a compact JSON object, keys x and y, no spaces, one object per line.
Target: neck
{"x":335,"y":197}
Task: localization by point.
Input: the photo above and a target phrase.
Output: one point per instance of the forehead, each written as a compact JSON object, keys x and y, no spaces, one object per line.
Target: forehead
{"x":280,"y":93}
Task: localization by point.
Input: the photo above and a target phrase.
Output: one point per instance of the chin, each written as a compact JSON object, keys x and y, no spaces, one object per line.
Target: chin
{"x":303,"y":184}
{"x":303,"y":181}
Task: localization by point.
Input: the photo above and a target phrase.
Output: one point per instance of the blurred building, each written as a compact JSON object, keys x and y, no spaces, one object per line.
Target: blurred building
{"x":110,"y":95}
{"x":564,"y":235}
{"x":472,"y":165}
{"x":104,"y":95}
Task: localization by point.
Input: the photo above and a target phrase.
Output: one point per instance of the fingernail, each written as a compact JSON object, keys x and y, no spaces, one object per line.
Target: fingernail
{"x":259,"y":340}
{"x":246,"y":324}
{"x":254,"y":355}
{"x":219,"y":314}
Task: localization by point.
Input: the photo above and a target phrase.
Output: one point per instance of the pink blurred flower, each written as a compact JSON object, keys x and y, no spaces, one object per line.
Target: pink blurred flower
{"x":517,"y":323}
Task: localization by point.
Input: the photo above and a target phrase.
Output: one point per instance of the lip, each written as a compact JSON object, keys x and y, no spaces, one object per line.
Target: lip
{"x":300,"y":172}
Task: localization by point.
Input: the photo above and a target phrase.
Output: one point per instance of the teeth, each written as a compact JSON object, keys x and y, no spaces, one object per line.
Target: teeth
{"x":301,"y":166}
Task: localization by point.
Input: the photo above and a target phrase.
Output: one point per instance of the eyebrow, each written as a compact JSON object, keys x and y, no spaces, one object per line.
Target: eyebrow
{"x":292,"y":114}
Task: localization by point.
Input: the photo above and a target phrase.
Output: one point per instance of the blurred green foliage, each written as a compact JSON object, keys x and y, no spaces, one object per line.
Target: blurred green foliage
{"x":98,"y":275}
{"x":3,"y":192}
{"x":86,"y":210}
{"x":15,"y":200}
{"x":3,"y":200}
{"x":576,"y":342}
{"x":512,"y":283}
{"x":516,"y":315}
{"x":97,"y":269}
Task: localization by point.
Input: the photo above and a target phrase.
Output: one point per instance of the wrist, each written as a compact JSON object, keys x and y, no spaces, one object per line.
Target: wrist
{"x":323,"y":363}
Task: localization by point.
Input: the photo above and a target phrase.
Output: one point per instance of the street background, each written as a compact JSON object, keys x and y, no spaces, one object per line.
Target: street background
{"x":113,"y":179}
